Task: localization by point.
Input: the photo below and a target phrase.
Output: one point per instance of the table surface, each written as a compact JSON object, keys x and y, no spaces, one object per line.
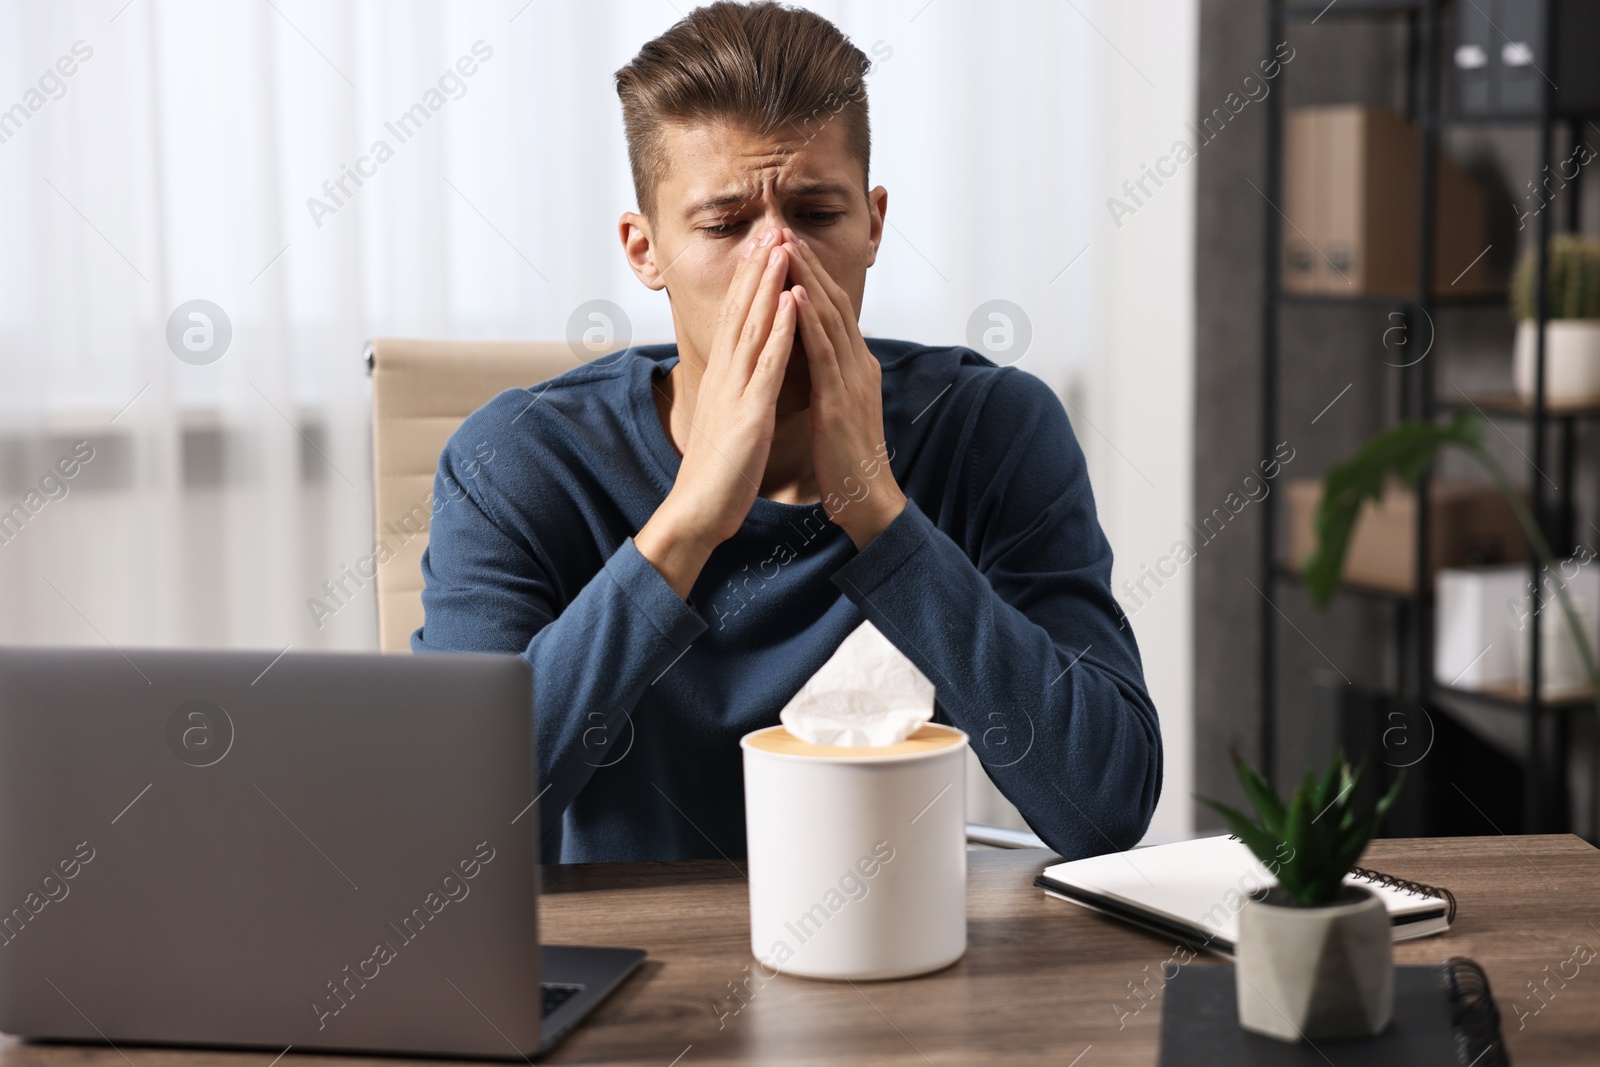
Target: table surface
{"x":1043,"y":981}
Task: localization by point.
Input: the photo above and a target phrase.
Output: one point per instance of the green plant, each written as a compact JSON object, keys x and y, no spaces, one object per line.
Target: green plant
{"x":1571,"y":285}
{"x":1324,"y":831}
{"x":1406,"y":450}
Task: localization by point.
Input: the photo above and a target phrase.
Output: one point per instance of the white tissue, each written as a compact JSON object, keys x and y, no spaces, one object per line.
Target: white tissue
{"x":868,"y":693}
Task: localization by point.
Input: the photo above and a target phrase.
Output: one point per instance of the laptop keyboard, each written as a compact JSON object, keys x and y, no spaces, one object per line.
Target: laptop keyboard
{"x":556,"y":994}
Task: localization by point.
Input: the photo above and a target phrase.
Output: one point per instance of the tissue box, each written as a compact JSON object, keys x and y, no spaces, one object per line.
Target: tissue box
{"x":1471,"y":524}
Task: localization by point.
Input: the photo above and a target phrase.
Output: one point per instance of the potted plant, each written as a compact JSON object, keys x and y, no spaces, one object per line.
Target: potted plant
{"x":1572,"y":332}
{"x":1406,"y":450}
{"x":1315,"y":957}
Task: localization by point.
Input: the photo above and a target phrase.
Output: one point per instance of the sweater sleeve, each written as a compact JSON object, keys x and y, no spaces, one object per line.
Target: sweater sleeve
{"x":487,"y":591}
{"x":1019,"y":633}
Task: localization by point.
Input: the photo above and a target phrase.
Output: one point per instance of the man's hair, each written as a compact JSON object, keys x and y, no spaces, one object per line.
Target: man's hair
{"x":763,"y":66}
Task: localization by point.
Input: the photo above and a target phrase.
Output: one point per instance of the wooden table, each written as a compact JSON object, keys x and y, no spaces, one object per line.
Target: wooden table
{"x":1043,"y":981}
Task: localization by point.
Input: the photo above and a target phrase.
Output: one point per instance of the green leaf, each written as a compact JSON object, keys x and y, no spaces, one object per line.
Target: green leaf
{"x":1301,"y":833}
{"x":1262,"y":844}
{"x":1388,"y":799}
{"x":1349,"y":850}
{"x":1325,"y":791}
{"x":1355,"y":843}
{"x":1348,"y":826}
{"x":1260,"y":795}
{"x":1404,"y":451}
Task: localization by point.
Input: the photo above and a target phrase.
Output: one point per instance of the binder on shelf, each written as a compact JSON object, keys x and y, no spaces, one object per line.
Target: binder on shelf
{"x":1350,"y":195}
{"x":1501,"y":58}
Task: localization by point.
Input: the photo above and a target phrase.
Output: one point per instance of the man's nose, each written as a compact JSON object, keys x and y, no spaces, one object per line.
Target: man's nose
{"x":777,"y":223}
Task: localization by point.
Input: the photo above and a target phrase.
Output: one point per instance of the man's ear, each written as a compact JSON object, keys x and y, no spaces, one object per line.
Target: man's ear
{"x":639,"y":247}
{"x":877,"y":208}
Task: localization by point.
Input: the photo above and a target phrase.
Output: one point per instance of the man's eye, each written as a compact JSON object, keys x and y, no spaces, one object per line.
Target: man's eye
{"x":822,"y":218}
{"x":721,"y":230}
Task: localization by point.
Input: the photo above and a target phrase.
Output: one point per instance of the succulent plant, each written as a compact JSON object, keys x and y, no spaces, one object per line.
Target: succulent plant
{"x":1311,"y":844}
{"x":1572,"y":280}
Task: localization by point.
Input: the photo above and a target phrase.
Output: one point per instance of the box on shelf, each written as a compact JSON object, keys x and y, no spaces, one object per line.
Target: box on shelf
{"x":1350,"y":195}
{"x":1471,"y":523}
{"x":1501,"y":59}
{"x":1474,"y":612}
{"x":1481,"y":628}
{"x":1563,"y":675}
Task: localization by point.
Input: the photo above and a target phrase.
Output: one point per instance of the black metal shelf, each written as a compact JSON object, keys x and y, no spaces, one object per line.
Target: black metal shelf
{"x":1379,"y":300}
{"x":1516,"y":699}
{"x":1508,"y":406}
{"x":1290,"y":576}
{"x":1509,"y":119}
{"x":1545,"y":797}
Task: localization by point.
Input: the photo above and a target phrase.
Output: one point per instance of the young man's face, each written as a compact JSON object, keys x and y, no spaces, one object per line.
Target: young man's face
{"x":724,"y":186}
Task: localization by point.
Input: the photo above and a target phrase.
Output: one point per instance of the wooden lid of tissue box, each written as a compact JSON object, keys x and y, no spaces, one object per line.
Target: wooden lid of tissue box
{"x":929,"y":737}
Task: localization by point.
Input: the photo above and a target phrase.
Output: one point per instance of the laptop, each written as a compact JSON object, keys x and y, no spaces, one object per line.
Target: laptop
{"x":312,"y":850}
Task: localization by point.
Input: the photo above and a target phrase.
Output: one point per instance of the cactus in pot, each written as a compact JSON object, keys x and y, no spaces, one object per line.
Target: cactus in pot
{"x":1572,"y":330}
{"x":1572,"y":281}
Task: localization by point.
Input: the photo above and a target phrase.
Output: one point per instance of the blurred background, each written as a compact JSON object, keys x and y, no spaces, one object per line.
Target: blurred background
{"x":1206,"y":219}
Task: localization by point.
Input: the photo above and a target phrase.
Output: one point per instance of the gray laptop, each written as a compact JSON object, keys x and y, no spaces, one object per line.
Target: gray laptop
{"x":319,"y":850}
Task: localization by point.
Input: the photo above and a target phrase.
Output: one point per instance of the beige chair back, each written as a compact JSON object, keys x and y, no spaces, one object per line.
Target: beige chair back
{"x":422,"y":391}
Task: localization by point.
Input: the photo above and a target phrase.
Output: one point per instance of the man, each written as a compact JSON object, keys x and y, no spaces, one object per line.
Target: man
{"x":676,"y":538}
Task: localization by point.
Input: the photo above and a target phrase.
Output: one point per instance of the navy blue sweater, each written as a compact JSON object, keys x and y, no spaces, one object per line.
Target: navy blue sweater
{"x":994,"y":580}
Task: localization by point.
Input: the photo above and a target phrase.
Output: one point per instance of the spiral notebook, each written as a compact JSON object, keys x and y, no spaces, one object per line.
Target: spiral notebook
{"x":1194,"y":890}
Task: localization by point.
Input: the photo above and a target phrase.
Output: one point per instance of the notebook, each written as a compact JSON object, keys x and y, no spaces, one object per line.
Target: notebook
{"x":1443,"y":1017}
{"x":1194,"y":890}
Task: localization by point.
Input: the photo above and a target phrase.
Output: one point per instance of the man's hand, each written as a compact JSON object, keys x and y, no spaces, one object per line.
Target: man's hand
{"x":733,"y":422}
{"x":848,"y":448}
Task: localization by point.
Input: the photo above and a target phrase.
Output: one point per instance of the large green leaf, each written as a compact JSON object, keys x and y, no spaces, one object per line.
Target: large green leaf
{"x":1404,"y":451}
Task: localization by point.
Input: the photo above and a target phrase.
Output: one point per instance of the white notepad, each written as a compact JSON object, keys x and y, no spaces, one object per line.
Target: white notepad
{"x":1194,"y":890}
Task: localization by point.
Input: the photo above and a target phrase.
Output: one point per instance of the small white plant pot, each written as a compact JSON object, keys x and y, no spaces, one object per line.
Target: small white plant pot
{"x":1571,"y":360}
{"x":1305,"y":973}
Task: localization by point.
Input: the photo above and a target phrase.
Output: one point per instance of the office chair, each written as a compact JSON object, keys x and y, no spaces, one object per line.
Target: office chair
{"x":421,"y":391}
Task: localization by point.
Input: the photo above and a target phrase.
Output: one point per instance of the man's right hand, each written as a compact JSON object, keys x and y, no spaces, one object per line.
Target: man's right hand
{"x":732,"y":424}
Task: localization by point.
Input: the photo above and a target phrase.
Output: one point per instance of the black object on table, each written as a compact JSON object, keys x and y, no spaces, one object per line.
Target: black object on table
{"x":1443,"y":1017}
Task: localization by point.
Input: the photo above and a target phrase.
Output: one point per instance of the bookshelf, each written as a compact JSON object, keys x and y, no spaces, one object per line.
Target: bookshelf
{"x":1546,"y":723}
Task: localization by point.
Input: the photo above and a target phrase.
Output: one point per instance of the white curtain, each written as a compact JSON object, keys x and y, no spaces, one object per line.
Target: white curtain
{"x":201,"y":150}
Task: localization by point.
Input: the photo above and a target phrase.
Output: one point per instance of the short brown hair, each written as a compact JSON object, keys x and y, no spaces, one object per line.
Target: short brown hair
{"x":763,"y":65}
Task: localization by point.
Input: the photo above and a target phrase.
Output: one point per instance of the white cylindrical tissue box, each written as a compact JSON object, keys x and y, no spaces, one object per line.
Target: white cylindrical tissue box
{"x":857,"y":856}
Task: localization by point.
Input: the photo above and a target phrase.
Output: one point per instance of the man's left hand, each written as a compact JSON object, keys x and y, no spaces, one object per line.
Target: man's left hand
{"x":848,"y":449}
